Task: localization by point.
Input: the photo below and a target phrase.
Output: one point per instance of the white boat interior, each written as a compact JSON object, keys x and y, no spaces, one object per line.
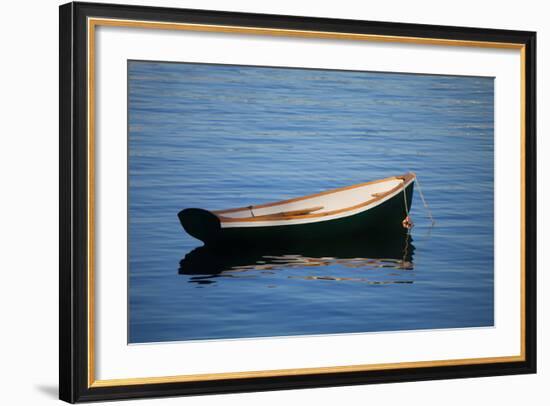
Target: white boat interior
{"x":320,"y":204}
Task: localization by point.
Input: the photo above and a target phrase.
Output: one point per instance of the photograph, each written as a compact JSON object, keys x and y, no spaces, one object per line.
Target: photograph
{"x":257,"y":202}
{"x":277,"y":201}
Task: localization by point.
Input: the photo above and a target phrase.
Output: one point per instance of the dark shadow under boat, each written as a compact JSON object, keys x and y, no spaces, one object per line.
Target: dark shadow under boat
{"x":395,"y":253}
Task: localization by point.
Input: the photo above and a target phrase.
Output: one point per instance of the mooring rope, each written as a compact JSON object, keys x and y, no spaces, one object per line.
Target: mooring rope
{"x":406,"y":248}
{"x":405,"y":199}
{"x":424,"y":202}
{"x":407,"y":221}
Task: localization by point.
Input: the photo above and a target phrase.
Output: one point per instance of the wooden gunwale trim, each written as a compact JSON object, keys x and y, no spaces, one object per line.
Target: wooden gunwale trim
{"x":323,"y":193}
{"x":406,"y":179}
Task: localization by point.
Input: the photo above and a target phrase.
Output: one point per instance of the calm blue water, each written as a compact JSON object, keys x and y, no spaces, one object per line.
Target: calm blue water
{"x":215,"y":137}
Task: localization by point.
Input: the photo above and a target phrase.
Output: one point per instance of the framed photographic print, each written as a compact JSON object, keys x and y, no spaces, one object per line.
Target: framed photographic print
{"x":252,"y":202}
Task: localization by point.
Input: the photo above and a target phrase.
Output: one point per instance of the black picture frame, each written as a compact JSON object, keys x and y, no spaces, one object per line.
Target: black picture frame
{"x":74,"y":385}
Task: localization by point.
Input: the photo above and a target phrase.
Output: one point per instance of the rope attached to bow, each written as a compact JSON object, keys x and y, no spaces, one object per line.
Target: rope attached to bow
{"x":407,"y":222}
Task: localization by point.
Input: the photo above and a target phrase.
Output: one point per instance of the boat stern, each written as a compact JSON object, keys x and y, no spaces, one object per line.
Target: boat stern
{"x":201,"y":224}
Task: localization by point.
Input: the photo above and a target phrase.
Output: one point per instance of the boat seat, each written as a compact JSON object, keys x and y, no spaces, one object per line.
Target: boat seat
{"x":287,"y":214}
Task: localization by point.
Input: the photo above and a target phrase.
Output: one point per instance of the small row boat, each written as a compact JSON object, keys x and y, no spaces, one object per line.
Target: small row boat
{"x":372,"y":208}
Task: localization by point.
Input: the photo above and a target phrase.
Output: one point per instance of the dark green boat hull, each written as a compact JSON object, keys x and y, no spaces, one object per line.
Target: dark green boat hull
{"x":384,"y":219}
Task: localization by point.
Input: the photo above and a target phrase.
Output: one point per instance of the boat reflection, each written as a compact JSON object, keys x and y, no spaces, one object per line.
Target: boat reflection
{"x":387,"y":260}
